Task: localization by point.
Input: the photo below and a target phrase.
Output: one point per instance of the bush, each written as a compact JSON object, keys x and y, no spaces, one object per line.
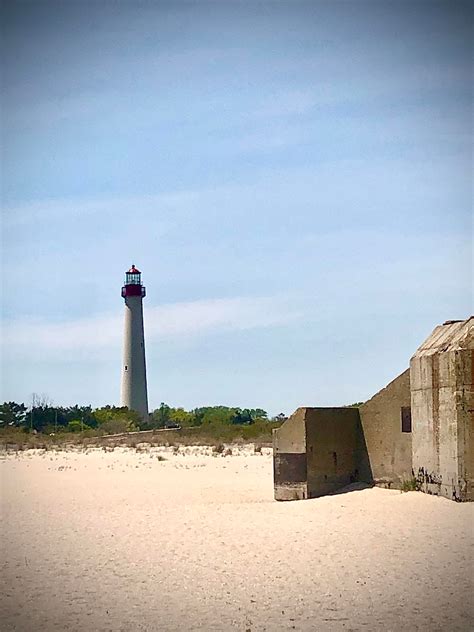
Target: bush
{"x":410,"y":485}
{"x":117,"y":426}
{"x":77,"y":426}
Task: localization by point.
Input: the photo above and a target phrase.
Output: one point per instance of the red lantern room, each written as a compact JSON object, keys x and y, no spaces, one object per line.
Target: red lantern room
{"x":133,"y":283}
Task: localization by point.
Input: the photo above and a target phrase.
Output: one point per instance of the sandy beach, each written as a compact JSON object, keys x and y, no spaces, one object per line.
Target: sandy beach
{"x":187,"y":539}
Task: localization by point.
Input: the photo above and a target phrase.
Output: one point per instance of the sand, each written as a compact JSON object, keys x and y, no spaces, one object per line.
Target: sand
{"x":121,"y":540}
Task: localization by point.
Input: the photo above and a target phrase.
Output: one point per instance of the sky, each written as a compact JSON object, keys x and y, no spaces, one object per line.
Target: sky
{"x":293,"y":179}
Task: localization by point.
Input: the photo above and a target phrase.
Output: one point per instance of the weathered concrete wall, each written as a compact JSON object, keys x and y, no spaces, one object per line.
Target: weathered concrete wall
{"x":289,"y":458}
{"x":389,"y":449}
{"x":333,"y":449}
{"x":465,"y":414}
{"x":441,"y":374}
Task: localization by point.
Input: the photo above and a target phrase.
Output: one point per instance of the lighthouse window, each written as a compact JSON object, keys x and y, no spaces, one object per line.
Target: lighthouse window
{"x":126,"y":368}
{"x":133,"y":279}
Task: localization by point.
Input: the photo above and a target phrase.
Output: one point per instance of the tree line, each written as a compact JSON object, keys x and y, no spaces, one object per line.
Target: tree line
{"x":43,"y":417}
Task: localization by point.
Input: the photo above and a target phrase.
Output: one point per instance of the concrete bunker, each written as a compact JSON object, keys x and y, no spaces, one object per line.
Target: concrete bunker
{"x":320,"y":450}
{"x":418,"y":429}
{"x":442,"y":402}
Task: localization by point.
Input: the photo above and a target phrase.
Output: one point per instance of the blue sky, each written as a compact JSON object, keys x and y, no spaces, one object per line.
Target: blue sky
{"x":293,"y":179}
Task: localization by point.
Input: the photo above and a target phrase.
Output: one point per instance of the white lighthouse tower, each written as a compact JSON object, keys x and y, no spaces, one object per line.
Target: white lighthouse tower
{"x":134,"y":390}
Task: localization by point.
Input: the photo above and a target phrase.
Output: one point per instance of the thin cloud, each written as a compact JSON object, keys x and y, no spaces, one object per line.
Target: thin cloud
{"x":58,"y":209}
{"x":178,"y":320}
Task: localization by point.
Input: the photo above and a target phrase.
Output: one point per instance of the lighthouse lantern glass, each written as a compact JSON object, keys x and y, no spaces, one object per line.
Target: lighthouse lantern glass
{"x":133,"y":278}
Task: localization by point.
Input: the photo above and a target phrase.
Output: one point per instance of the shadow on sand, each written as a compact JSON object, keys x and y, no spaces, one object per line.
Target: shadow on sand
{"x":353,"y":487}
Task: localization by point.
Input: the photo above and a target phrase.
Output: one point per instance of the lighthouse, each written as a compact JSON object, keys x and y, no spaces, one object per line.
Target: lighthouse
{"x":134,"y":390}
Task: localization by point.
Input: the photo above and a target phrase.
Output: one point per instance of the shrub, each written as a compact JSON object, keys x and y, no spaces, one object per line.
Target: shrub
{"x":77,"y":426}
{"x":116,"y":426}
{"x":410,"y":486}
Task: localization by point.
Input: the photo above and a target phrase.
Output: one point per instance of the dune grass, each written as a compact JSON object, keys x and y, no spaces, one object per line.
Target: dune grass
{"x":259,"y":433}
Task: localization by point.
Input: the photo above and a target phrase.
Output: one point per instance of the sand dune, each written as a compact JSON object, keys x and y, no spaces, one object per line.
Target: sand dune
{"x":124,"y":540}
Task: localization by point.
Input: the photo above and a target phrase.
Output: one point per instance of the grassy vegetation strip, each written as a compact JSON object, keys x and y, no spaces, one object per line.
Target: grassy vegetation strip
{"x":259,"y":434}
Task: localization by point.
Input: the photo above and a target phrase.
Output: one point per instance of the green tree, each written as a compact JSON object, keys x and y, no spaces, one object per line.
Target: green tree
{"x":116,"y":419}
{"x":215,"y":415}
{"x":83,"y":413}
{"x":40,"y":417}
{"x":242,"y":416}
{"x":77,"y":425}
{"x":110,"y":413}
{"x":181,"y":417}
{"x":161,"y":416}
{"x":198,"y":416}
{"x":12,"y":414}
